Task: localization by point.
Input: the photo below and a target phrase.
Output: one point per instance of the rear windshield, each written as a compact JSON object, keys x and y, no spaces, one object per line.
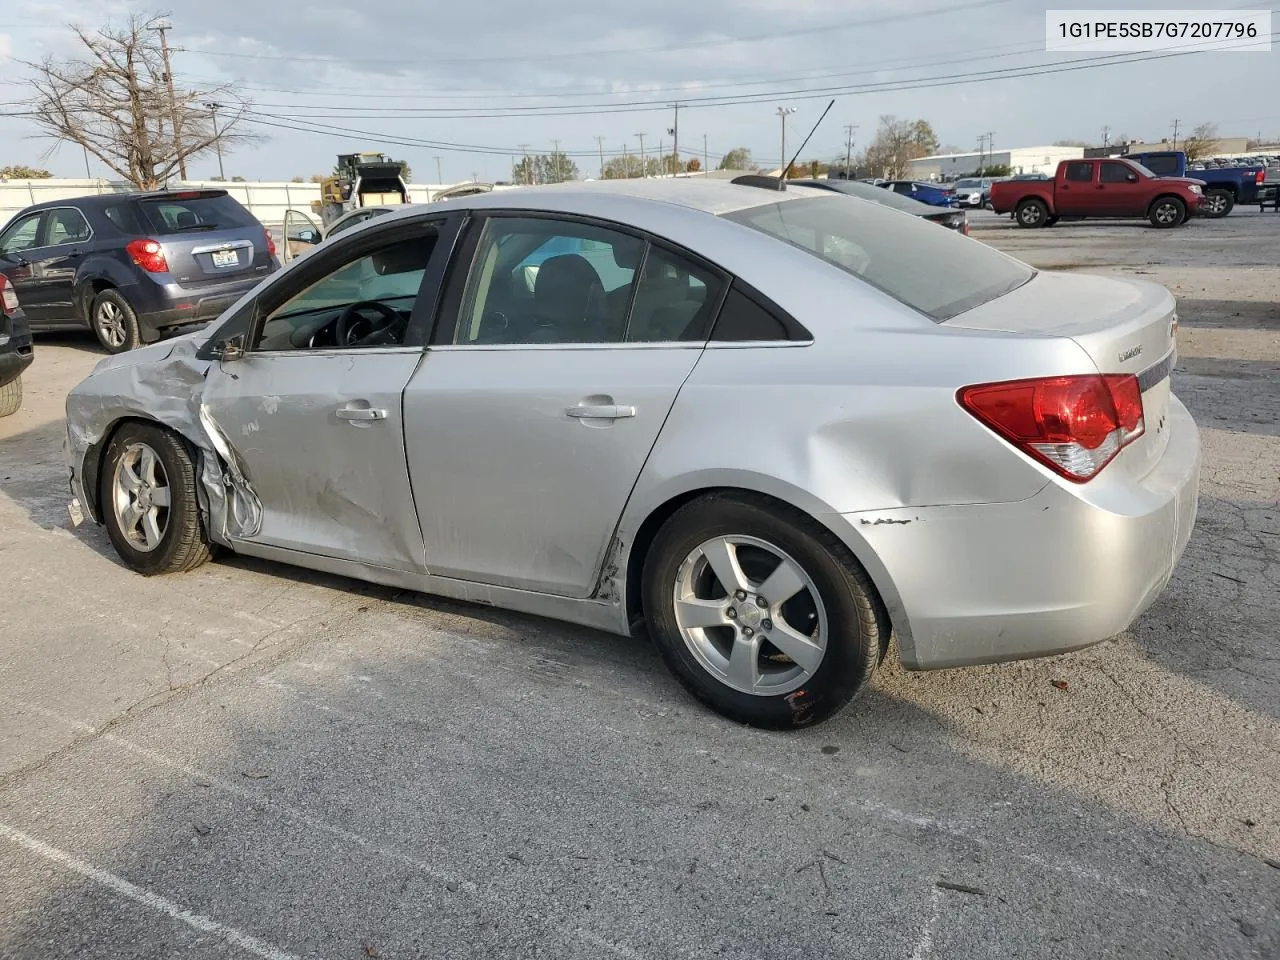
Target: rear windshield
{"x":966,"y":184}
{"x":936,"y":271}
{"x":1159,"y":166}
{"x":198,"y":214}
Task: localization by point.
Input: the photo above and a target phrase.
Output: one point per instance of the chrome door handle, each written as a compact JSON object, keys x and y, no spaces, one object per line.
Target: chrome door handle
{"x":601,"y":411}
{"x":361,"y":413}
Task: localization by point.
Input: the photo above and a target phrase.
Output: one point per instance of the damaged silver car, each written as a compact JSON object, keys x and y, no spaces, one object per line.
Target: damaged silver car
{"x":775,"y":425}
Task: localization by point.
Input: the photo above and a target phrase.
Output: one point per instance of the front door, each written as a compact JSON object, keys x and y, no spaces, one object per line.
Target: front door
{"x":64,"y":239}
{"x":1120,"y":193}
{"x":528,"y":427}
{"x":314,"y":408}
{"x":301,"y":235}
{"x":20,"y":240}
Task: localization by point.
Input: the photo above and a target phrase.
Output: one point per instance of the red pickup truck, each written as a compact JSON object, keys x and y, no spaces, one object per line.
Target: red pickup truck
{"x":1099,"y":188}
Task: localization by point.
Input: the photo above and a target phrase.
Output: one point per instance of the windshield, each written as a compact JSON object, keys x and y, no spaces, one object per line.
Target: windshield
{"x":855,"y":188}
{"x":1147,"y":172}
{"x":198,"y":213}
{"x":937,"y":272}
{"x":967,"y":184}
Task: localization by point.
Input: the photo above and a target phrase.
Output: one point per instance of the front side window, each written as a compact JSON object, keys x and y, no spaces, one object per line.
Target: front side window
{"x":365,"y":302}
{"x":1079,"y":172}
{"x":537,"y":280}
{"x":67,"y":225}
{"x":1115,"y":173}
{"x":22,"y":235}
{"x":887,"y":250}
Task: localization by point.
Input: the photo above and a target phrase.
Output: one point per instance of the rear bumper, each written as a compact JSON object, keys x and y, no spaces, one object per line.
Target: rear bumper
{"x":16,"y":352}
{"x":1007,"y":581}
{"x":161,"y":306}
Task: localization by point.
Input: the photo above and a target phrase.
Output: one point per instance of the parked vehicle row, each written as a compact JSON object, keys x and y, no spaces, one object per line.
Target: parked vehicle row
{"x":1224,"y":186}
{"x":133,"y":267}
{"x":818,"y":446}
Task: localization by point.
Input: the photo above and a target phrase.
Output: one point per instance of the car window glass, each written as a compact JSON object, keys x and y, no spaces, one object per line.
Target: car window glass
{"x":1162,"y":166}
{"x":124,"y":217}
{"x":195,"y":213}
{"x":674,"y":299}
{"x":1079,"y":172}
{"x":742,"y":318}
{"x":66,"y":225}
{"x":886,"y":250}
{"x":363,"y":302}
{"x":20,"y":236}
{"x":537,"y":280}
{"x":350,"y":222}
{"x":1115,"y":173}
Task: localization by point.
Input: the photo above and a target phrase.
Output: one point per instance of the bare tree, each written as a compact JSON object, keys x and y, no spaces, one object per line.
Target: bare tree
{"x":114,"y":101}
{"x":1202,"y":143}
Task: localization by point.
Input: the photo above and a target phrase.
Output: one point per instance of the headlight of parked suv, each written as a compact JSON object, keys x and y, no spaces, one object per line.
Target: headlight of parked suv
{"x":1195,"y":188}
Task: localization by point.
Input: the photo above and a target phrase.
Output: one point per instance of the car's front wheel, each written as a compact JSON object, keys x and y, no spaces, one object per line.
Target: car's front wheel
{"x":1168,"y":212}
{"x":148,"y":497}
{"x":761,"y":613}
{"x":114,"y":322}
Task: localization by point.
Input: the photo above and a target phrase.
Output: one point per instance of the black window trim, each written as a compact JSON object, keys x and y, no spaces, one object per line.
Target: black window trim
{"x":315,"y":267}
{"x":464,"y":263}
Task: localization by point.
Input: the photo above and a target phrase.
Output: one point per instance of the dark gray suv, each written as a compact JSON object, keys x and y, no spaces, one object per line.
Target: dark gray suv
{"x":134,"y":267}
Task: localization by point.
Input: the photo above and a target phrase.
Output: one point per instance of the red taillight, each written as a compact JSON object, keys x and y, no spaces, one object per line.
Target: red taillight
{"x":271,"y":244}
{"x":1074,"y":425}
{"x":149,"y":255}
{"x":8,"y":296}
{"x":1260,"y":176}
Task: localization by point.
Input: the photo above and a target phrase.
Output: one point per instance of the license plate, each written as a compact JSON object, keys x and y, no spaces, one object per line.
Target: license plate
{"x":225,"y":258}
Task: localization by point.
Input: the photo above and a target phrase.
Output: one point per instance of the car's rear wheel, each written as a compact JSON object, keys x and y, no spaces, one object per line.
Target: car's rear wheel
{"x":1168,"y":212}
{"x":114,"y":323}
{"x":1031,"y":213}
{"x":761,"y":613}
{"x":148,"y":497}
{"x":1218,"y":203}
{"x":11,"y":397}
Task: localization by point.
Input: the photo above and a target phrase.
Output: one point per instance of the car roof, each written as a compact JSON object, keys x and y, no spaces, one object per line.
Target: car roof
{"x":98,"y":199}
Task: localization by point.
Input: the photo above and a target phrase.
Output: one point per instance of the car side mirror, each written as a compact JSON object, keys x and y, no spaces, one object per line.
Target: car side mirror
{"x":230,"y":349}
{"x":308,"y":236}
{"x":1132,"y":178}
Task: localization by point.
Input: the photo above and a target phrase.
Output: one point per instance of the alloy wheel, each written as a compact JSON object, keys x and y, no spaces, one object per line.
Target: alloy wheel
{"x":110,"y":322}
{"x":750,"y":615}
{"x":141,"y":497}
{"x":1167,"y":213}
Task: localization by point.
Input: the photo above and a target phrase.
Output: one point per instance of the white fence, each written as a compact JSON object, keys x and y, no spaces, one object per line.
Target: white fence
{"x":265,"y":200}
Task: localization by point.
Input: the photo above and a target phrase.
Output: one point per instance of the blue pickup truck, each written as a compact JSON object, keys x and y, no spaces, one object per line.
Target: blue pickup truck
{"x":1224,"y":186}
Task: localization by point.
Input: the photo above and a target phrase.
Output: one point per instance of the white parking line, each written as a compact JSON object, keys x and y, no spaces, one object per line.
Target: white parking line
{"x":237,"y":938}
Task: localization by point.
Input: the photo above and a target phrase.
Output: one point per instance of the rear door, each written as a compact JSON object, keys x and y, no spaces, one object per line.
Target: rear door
{"x":530,"y":418}
{"x":1073,"y":190}
{"x":1120,"y":191}
{"x":207,"y":236}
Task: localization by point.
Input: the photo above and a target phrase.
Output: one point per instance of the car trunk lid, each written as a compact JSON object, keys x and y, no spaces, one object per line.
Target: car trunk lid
{"x":206,"y":236}
{"x":1125,"y":326}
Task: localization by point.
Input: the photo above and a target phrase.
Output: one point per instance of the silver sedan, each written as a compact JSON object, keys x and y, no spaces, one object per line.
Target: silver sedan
{"x":776,"y":427}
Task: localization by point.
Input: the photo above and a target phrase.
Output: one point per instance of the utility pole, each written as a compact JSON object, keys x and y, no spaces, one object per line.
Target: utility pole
{"x":553,"y":174}
{"x":439,"y":175}
{"x":848,"y":148}
{"x":1106,"y":137}
{"x":705,"y":168}
{"x":162,"y":28}
{"x":600,"y":147}
{"x":675,"y":133}
{"x":783,"y":113}
{"x":87,"y":174}
{"x":642,"y":170}
{"x":526,"y":174}
{"x":213,"y":109}
{"x":1175,"y":133}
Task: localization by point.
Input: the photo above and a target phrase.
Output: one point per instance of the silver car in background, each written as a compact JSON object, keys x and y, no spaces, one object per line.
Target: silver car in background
{"x":973,"y":192}
{"x":775,"y":426}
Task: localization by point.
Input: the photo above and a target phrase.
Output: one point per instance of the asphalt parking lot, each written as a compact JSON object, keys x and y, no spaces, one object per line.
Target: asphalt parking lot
{"x":255,"y":761}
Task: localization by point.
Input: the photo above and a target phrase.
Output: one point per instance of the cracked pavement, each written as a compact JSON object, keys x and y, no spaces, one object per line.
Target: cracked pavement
{"x":252,"y":760}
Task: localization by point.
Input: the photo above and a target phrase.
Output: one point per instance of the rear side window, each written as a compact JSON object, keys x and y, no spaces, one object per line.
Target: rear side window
{"x":200,"y":213}
{"x":1079,"y":172}
{"x":1162,"y":166}
{"x":124,"y":218}
{"x":940,"y":273}
{"x":742,"y":318}
{"x":66,"y":225}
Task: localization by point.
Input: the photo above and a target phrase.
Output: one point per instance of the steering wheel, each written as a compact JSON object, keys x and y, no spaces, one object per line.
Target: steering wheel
{"x":347,"y":328}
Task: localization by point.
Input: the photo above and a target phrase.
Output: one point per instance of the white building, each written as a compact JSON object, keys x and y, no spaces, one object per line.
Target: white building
{"x":951,"y":166}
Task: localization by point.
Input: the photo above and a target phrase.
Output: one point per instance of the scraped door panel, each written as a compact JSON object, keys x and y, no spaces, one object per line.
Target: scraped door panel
{"x":322,"y":442}
{"x":522,"y":458}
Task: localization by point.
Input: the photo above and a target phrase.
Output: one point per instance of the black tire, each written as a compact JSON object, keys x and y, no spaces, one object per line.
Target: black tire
{"x":11,"y":397}
{"x":1031,"y":213}
{"x":858,"y":627}
{"x":1167,"y":212}
{"x":182,"y":544}
{"x":114,"y":323}
{"x":1218,"y":203}
{"x":1051,"y":221}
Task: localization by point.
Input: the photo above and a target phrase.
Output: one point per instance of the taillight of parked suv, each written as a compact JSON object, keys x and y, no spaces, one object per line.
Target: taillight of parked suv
{"x":8,"y":297}
{"x":271,"y":244}
{"x":149,"y":255}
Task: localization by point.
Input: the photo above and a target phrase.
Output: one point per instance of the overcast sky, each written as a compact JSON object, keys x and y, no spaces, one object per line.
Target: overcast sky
{"x":401,"y":75}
